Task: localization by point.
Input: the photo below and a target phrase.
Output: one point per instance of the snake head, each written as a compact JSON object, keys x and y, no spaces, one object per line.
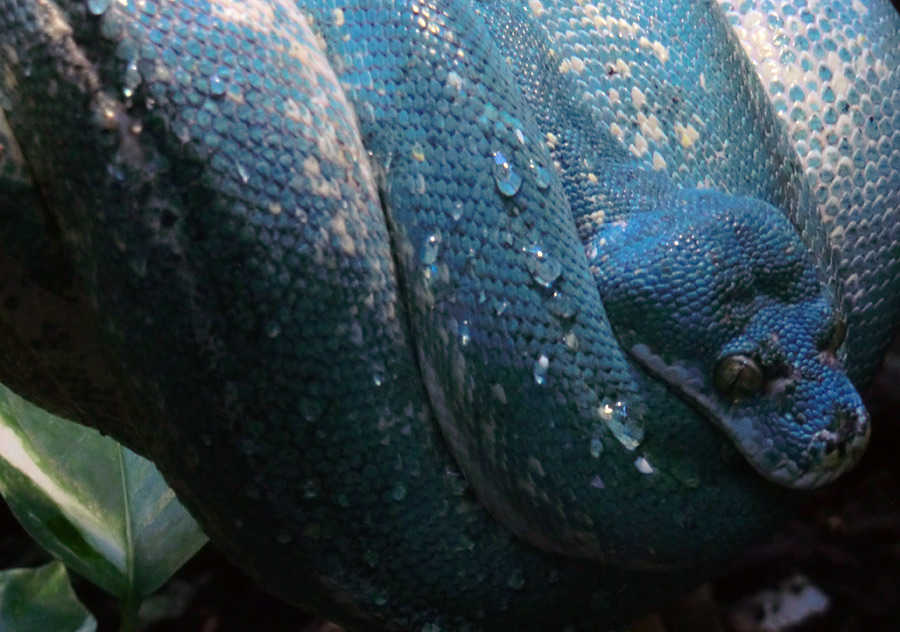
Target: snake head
{"x":718,"y":297}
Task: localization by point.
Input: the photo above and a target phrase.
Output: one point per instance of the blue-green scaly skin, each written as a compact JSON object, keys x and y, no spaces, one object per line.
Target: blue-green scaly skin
{"x":342,"y":271}
{"x":735,"y":279}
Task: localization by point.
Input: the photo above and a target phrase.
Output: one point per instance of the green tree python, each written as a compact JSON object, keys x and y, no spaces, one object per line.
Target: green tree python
{"x":458,"y":314}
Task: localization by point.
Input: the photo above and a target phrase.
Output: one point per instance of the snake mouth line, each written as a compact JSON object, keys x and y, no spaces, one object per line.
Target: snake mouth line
{"x":830,"y":453}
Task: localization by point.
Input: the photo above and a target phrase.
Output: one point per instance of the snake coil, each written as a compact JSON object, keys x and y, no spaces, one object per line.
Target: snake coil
{"x":454,"y":314}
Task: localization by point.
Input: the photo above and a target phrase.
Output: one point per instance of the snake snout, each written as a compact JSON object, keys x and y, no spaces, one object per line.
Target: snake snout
{"x":831,"y":451}
{"x":840,"y":445}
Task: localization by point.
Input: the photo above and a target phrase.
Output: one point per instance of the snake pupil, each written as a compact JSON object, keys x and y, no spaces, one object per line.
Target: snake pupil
{"x":738,"y":377}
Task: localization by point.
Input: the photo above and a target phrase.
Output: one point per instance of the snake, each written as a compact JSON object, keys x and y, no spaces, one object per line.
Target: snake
{"x":458,"y":314}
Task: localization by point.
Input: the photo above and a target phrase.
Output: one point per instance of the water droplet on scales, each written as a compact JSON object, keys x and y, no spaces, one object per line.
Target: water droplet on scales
{"x":399,"y":492}
{"x":98,"y":7}
{"x":541,"y":367}
{"x":540,"y":174}
{"x":543,"y":268}
{"x":516,"y":580}
{"x":131,"y":80}
{"x":430,"y":249}
{"x":508,"y":181}
{"x":643,"y":466}
{"x":465,"y":334}
{"x":628,"y":431}
{"x":561,"y":306}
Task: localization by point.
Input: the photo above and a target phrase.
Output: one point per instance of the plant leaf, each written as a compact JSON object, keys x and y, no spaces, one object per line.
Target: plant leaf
{"x":103,"y":510}
{"x":41,"y":599}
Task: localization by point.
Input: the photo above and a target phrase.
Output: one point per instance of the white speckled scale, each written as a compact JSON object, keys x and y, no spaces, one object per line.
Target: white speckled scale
{"x":832,"y":71}
{"x":828,"y":70}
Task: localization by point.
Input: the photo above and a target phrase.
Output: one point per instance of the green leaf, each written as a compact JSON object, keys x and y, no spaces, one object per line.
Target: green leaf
{"x":40,"y":600}
{"x":103,"y":510}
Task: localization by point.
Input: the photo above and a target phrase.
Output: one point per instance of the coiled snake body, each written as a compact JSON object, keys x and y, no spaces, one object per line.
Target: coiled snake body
{"x":454,"y":314}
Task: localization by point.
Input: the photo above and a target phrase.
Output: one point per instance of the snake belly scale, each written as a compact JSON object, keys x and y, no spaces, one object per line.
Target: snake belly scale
{"x":457,"y":314}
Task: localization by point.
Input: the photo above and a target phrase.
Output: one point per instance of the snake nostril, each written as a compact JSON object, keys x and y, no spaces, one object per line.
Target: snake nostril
{"x":847,"y":426}
{"x":835,"y":445}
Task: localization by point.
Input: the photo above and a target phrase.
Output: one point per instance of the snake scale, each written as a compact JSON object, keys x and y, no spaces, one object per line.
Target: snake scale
{"x":457,"y":314}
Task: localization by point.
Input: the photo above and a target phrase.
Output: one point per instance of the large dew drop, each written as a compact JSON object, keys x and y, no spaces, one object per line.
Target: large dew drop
{"x":430,"y":248}
{"x":544,"y":268}
{"x":561,"y":306}
{"x":628,"y":431}
{"x":508,"y":181}
{"x":540,"y":174}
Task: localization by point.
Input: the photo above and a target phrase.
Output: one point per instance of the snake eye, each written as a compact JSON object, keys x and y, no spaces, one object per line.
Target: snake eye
{"x":833,"y":337}
{"x":838,"y":333}
{"x":738,"y":377}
